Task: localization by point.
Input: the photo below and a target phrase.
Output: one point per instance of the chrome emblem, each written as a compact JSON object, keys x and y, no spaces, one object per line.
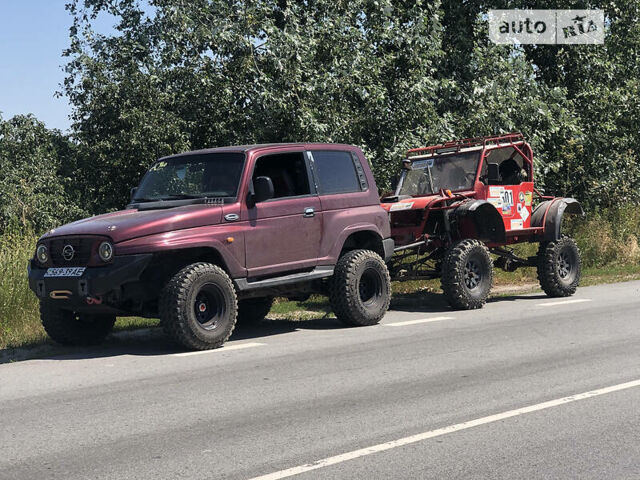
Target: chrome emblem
{"x":68,"y":252}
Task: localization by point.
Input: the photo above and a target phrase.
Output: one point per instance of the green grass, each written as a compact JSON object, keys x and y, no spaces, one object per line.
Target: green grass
{"x":608,"y":241}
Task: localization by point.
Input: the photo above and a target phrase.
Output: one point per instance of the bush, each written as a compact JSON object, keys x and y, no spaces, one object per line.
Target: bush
{"x":608,"y":236}
{"x":19,"y":317}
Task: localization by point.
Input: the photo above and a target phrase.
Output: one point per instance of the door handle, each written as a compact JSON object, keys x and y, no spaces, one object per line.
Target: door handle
{"x":309,"y":212}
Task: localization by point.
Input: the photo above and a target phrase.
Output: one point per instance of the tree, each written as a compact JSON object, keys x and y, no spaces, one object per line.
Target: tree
{"x":33,"y":195}
{"x":384,"y":75}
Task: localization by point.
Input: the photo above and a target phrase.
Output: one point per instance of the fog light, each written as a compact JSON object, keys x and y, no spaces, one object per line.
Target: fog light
{"x":105,"y":251}
{"x":42,"y":254}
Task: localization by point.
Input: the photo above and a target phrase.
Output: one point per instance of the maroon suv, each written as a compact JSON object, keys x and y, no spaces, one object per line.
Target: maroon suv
{"x":213,"y":235}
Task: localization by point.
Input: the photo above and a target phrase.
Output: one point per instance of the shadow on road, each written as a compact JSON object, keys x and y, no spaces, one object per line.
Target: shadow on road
{"x":540,"y":296}
{"x":427,"y":302}
{"x":152,"y":342}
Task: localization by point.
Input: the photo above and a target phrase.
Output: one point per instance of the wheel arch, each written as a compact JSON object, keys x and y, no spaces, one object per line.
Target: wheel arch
{"x":549,"y":215}
{"x":487,"y":223}
{"x":166,"y":263}
{"x":365,"y":239}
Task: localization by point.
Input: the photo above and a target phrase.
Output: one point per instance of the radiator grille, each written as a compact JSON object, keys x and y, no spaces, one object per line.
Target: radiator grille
{"x":82,"y":248}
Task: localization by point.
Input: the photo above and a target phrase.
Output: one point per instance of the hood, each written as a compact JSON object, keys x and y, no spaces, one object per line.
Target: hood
{"x":128,"y":224}
{"x":410,"y":203}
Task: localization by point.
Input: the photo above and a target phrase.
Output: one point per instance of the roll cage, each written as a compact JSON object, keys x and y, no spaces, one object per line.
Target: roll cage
{"x":486,"y":145}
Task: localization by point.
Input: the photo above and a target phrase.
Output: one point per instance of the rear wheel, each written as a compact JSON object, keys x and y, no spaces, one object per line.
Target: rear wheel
{"x":198,"y":307}
{"x":360,"y":289}
{"x":559,"y":267}
{"x":467,"y":274}
{"x":71,"y":328}
{"x":252,"y":311}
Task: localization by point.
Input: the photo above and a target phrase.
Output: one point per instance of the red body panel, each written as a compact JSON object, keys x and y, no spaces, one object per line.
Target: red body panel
{"x":513,"y":202}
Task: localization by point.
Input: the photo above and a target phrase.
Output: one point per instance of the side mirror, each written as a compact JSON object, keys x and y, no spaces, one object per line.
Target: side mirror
{"x":133,"y":193}
{"x":262,"y":189}
{"x":493,"y":173}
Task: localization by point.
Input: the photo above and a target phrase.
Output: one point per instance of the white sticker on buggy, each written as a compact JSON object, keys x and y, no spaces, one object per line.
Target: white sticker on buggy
{"x":524,"y":214}
{"x":516,"y":224}
{"x":496,"y":191}
{"x":496,"y":202}
{"x":401,"y":206}
{"x":507,"y":198}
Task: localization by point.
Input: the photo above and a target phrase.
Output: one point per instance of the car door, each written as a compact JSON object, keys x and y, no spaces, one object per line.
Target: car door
{"x":512,"y":194}
{"x":284,"y":232}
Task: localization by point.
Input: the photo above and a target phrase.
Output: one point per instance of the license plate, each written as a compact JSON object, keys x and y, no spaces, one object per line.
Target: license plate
{"x":64,"y":272}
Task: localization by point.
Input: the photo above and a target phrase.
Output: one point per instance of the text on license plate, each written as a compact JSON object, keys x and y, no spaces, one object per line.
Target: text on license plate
{"x":64,"y":272}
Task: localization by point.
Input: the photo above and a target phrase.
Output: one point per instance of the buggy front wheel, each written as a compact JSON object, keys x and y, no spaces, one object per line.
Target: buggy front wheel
{"x":467,"y":274}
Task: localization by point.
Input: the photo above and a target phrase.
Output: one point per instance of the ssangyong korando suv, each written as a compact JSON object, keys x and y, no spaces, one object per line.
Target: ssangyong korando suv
{"x":214,"y":235}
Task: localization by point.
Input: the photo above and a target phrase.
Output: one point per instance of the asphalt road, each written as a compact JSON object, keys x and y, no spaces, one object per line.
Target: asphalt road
{"x":528,"y":387}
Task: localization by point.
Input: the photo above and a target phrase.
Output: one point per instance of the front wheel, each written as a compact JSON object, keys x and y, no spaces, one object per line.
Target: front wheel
{"x":71,"y":328}
{"x":360,"y":289}
{"x":467,"y":274}
{"x":198,"y":306}
{"x":559,"y":267}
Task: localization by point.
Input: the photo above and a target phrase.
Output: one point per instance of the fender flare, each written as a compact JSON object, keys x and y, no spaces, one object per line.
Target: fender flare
{"x":549,"y":214}
{"x":488,"y":222}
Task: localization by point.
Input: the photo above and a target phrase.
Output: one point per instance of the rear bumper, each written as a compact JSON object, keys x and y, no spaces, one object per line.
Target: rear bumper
{"x":388,"y":245}
{"x":94,"y":282}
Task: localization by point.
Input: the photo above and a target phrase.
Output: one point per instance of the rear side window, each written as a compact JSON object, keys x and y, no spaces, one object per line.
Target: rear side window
{"x":338,"y":172}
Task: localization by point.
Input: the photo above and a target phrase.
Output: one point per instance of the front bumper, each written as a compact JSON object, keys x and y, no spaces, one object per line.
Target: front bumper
{"x":95,"y":281}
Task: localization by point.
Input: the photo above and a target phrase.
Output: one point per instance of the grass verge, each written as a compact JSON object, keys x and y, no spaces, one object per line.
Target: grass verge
{"x":608,"y":241}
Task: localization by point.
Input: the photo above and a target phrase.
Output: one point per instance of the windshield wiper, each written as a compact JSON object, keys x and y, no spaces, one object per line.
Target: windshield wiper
{"x":146,"y":199}
{"x":178,"y":196}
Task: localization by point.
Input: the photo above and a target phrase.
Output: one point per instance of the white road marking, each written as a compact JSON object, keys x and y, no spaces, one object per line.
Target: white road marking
{"x":239,"y":346}
{"x":381,"y":447}
{"x":420,"y":320}
{"x":564,"y":302}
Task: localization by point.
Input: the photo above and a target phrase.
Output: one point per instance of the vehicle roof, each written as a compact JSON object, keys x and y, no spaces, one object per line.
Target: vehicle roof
{"x":262,"y":147}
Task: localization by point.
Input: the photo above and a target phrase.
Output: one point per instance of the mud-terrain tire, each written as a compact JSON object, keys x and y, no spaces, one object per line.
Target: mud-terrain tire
{"x":467,"y":274}
{"x":360,"y":289}
{"x":70,"y":328}
{"x":559,"y":267}
{"x":252,"y":311}
{"x":198,"y":306}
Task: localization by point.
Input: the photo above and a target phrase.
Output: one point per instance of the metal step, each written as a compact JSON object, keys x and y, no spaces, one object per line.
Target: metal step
{"x":317,"y":273}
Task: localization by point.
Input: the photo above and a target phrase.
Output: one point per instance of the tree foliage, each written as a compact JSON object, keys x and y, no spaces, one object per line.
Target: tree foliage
{"x":32,"y":183}
{"x":384,"y":75}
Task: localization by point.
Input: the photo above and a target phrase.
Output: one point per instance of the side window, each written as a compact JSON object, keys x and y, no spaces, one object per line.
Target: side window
{"x":288,"y":172}
{"x":338,"y":172}
{"x":512,"y":167}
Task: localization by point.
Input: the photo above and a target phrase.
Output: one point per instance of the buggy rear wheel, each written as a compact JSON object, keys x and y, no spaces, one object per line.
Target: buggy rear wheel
{"x":467,"y":274}
{"x":559,"y":267}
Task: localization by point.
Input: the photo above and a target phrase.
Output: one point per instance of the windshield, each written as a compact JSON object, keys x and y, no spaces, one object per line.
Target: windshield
{"x":447,"y":172}
{"x":192,"y":176}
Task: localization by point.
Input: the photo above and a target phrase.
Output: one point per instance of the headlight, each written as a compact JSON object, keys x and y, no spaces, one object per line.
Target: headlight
{"x":105,"y":251}
{"x":42,"y":254}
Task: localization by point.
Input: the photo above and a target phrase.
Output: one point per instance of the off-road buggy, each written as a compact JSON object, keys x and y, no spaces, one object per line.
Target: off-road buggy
{"x":457,"y":203}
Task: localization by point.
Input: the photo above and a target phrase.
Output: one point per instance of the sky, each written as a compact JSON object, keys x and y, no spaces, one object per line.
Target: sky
{"x":33,"y":34}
